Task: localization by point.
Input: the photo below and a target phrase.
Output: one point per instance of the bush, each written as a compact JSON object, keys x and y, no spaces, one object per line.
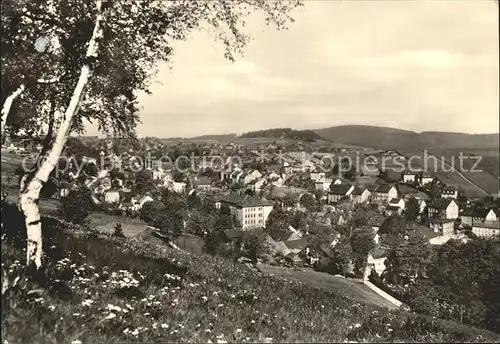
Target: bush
{"x":76,"y":206}
{"x":118,"y":233}
{"x":150,"y":211}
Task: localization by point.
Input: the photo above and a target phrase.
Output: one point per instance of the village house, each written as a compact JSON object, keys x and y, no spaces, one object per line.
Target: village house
{"x":276,"y":181}
{"x":286,"y":168}
{"x":397,"y":202}
{"x":360,"y":195}
{"x":443,"y":208}
{"x":488,"y":229}
{"x":316,"y":175}
{"x":375,"y":222}
{"x":272,"y":175}
{"x":426,"y":179}
{"x":338,"y":181}
{"x":384,"y":192}
{"x":137,"y":204}
{"x":449,"y":192}
{"x":409,"y":177}
{"x":339,"y":218}
{"x":202,"y":184}
{"x":323,"y":184}
{"x":112,"y":196}
{"x":64,"y":189}
{"x":491,"y":215}
{"x":391,"y":210}
{"x":466,"y":217}
{"x":339,"y":192}
{"x":444,"y":227}
{"x":257,"y":184}
{"x":375,"y":262}
{"x":158,"y":173}
{"x":251,"y":211}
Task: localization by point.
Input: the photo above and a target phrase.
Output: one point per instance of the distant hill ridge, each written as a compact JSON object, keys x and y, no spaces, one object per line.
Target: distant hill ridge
{"x":392,"y":138}
{"x":285,"y":133}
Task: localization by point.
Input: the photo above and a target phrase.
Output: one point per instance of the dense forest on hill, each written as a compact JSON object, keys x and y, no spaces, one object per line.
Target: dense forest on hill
{"x":286,"y":133}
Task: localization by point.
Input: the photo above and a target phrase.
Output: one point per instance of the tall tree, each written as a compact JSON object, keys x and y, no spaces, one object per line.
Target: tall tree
{"x":412,"y":209}
{"x":410,"y":259}
{"x":362,"y":242}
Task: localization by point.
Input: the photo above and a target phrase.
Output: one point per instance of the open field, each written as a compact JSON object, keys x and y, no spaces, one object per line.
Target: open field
{"x":474,"y":184}
{"x":353,"y":289}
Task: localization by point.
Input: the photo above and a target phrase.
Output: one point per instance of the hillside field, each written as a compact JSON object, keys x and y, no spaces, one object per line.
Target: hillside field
{"x":94,"y":288}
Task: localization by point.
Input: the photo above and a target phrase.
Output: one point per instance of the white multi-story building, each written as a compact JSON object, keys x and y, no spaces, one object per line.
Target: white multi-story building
{"x":252,"y":212}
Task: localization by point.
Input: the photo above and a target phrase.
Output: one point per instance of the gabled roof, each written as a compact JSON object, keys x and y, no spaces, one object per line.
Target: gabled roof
{"x":480,"y":213}
{"x":384,"y":188}
{"x":279,"y":235}
{"x":358,"y":191}
{"x":245,"y":201}
{"x":488,"y":224}
{"x":340,"y":189}
{"x":441,"y":203}
{"x":297,"y":244}
{"x":394,"y":200}
{"x":378,"y":252}
{"x":392,"y":207}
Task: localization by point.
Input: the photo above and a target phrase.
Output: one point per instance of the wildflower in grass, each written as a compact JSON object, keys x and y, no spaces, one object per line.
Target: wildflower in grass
{"x":357,"y":325}
{"x":268,"y":340}
{"x":76,"y":341}
{"x":238,"y":330}
{"x":110,"y":316}
{"x":113,"y":308}
{"x":208,"y":330}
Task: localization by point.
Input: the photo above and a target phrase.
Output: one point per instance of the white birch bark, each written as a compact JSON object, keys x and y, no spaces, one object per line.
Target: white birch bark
{"x":7,"y":105}
{"x":30,"y":196}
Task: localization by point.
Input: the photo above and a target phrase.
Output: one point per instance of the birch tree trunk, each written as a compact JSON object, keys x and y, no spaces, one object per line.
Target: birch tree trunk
{"x":7,"y":105}
{"x":31,"y":194}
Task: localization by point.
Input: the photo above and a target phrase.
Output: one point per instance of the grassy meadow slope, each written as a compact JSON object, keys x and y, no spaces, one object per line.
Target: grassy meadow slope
{"x":96,"y":288}
{"x":391,"y":138}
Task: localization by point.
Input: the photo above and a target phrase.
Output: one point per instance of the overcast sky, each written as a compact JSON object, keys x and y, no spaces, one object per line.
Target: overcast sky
{"x":417,"y":65}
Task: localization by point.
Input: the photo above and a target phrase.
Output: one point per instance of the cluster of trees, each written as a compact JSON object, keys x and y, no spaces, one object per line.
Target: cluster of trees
{"x":286,"y":133}
{"x":458,"y":281}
